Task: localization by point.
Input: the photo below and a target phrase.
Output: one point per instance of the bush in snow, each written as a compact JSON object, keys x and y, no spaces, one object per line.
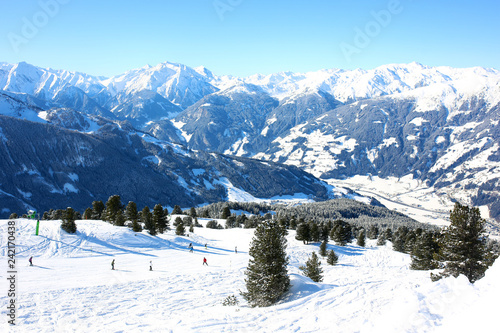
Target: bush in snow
{"x":213,"y":225}
{"x":230,"y":301}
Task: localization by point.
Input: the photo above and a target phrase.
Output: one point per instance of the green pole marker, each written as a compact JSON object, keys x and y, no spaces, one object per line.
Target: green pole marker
{"x":37,"y":227}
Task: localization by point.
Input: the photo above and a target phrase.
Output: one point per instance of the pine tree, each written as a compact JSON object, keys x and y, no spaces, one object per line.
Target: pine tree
{"x":147,"y":218}
{"x":87,"y":214}
{"x":131,"y":212}
{"x":68,"y":224}
{"x":422,"y":255}
{"x":226,"y":212}
{"x":341,"y":233}
{"x":314,"y":231}
{"x":332,"y":258}
{"x":192,"y":212}
{"x":373,"y":232}
{"x":113,"y":206}
{"x":322,"y":249}
{"x":361,"y":239}
{"x":119,"y":219}
{"x":464,"y":244}
{"x":303,"y":233}
{"x":180,"y":230}
{"x":177,"y":210}
{"x":97,"y":210}
{"x":159,"y":219}
{"x":267,"y":277}
{"x":313,"y":269}
{"x":399,"y":239}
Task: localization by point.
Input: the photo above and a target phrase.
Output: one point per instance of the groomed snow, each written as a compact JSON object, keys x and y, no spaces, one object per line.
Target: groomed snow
{"x":71,"y":288}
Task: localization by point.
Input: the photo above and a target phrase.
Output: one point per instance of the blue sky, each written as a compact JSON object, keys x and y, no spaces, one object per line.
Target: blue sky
{"x":244,"y":37}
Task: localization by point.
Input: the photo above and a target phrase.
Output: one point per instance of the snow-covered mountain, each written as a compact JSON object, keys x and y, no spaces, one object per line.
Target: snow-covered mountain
{"x":438,"y":124}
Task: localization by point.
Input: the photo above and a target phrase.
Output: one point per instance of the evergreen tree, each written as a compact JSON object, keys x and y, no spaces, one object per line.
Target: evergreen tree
{"x":410,"y":241}
{"x":192,"y":212}
{"x":97,"y":210}
{"x":177,"y":221}
{"x":293,"y":223}
{"x":68,"y":224}
{"x":226,"y":212}
{"x":422,"y":255}
{"x":131,"y":212}
{"x":322,"y":249}
{"x":332,"y":258}
{"x":113,"y":206}
{"x":180,"y":230}
{"x":159,"y":219}
{"x":341,"y":233}
{"x":361,"y":239}
{"x":303,"y":233}
{"x":147,"y":218}
{"x":87,"y":214}
{"x":267,"y":277}
{"x":177,"y":210}
{"x":381,"y":240}
{"x":119,"y":219}
{"x":373,"y":232}
{"x":399,"y":239}
{"x":314,"y":231}
{"x":136,"y":227}
{"x":313,"y":269}
{"x":463,"y":246}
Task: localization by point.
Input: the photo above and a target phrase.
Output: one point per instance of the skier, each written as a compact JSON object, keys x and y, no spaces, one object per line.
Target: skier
{"x":205,"y":246}
{"x":113,"y":264}
{"x":150,"y":265}
{"x":205,"y":261}
{"x":190,"y":247}
{"x":235,"y":249}
{"x":31,"y":261}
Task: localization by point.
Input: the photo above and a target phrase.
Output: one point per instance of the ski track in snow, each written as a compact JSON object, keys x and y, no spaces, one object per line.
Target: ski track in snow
{"x":72,"y":288}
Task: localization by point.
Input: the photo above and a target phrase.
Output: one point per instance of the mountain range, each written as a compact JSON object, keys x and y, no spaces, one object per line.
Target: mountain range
{"x":438,"y":124}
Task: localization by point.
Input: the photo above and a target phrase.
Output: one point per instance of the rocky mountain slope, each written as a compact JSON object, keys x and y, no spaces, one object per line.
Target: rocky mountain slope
{"x":439,"y":124}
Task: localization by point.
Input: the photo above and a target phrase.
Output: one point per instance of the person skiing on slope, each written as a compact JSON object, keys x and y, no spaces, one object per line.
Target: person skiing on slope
{"x":31,"y":261}
{"x":205,"y":261}
{"x":113,"y":264}
{"x":150,"y":265}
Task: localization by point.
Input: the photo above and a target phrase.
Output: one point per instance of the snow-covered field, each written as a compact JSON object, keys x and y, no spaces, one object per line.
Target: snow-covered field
{"x":72,"y":288}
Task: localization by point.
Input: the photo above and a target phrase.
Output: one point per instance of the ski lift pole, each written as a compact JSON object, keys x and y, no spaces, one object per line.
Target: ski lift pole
{"x":37,"y":227}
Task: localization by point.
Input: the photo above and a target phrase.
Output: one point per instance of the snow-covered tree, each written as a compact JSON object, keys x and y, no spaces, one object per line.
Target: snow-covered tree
{"x":313,"y":269}
{"x":267,"y":276}
{"x":463,"y":247}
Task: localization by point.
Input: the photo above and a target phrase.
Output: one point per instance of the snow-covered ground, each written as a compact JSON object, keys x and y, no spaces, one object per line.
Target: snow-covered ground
{"x":72,"y":288}
{"x":405,"y":195}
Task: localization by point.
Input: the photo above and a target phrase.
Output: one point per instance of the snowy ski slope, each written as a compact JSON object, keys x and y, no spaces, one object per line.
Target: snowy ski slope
{"x":72,"y":288}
